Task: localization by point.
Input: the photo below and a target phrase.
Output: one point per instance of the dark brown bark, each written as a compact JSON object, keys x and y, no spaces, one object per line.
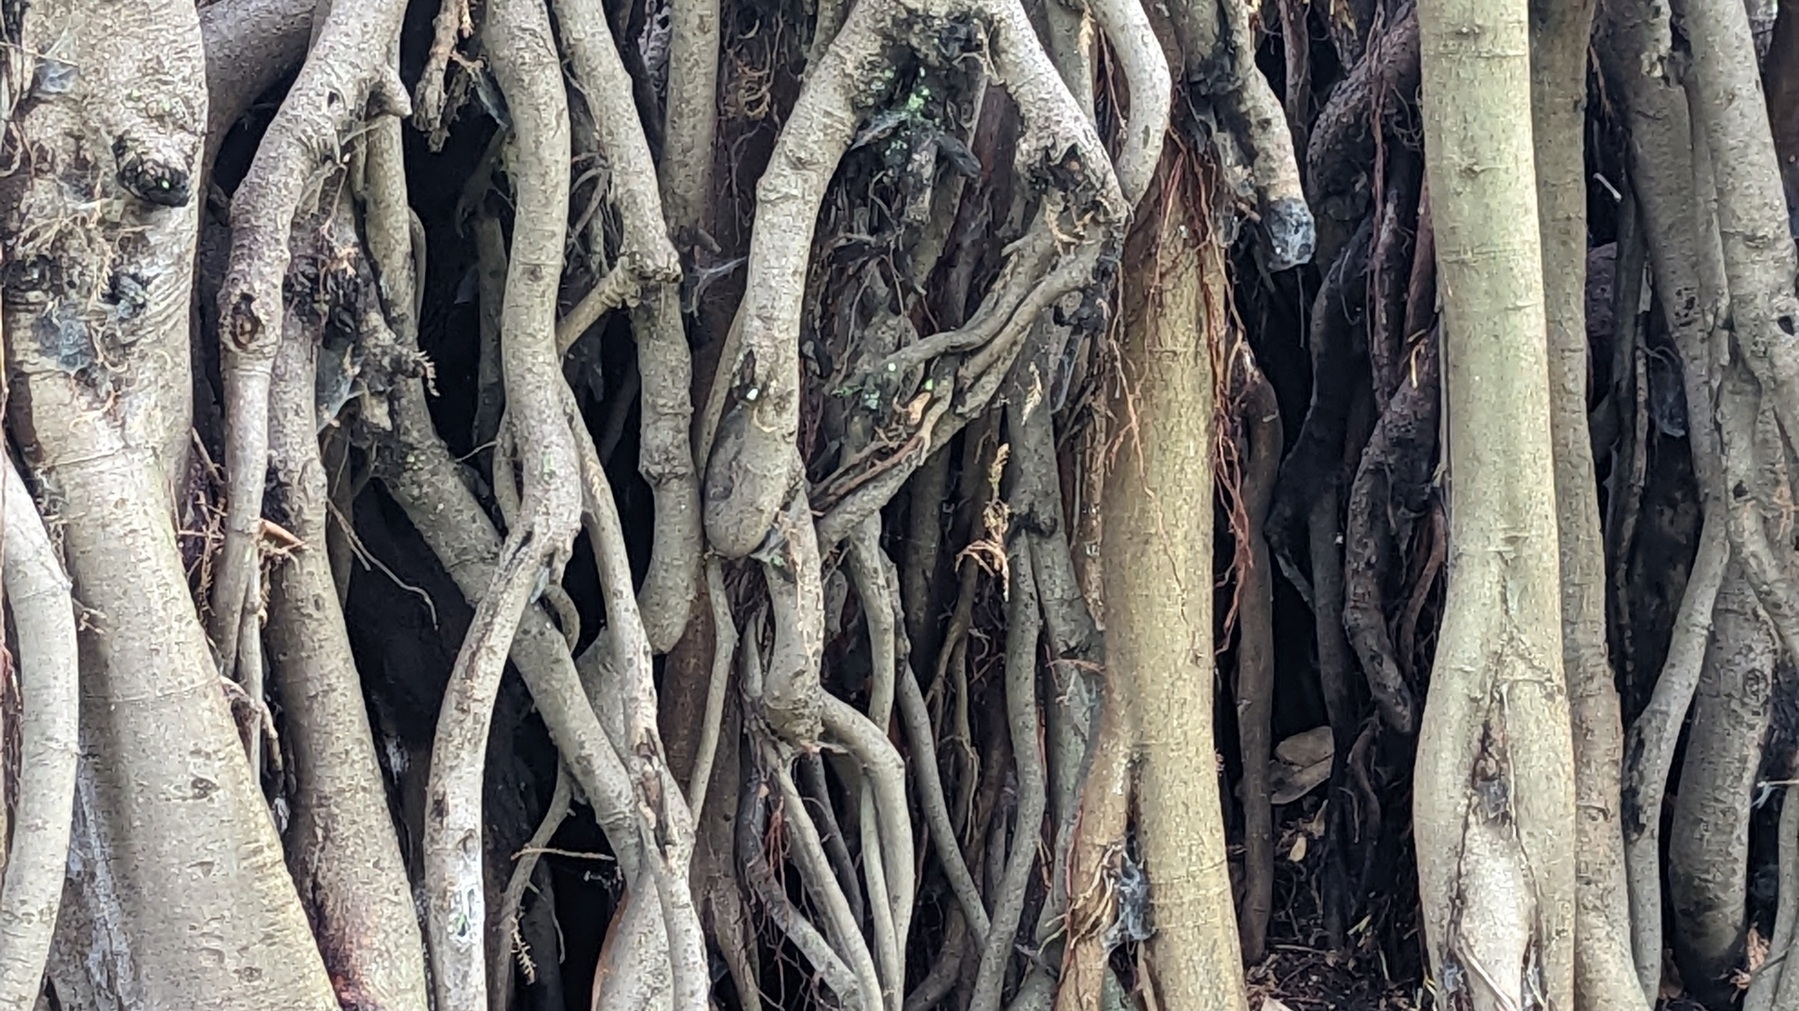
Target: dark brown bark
{"x":1392,"y":488}
{"x":1346,"y":134}
{"x":1259,"y":444}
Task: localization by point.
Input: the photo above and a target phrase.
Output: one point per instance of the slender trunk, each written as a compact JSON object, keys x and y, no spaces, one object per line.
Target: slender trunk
{"x":1261,"y":447}
{"x":1494,"y":792}
{"x":343,"y":852}
{"x":1093,"y":859}
{"x":1158,"y":593}
{"x":1708,"y":856}
{"x":1604,"y":974}
{"x":37,"y":592}
{"x":1634,"y":40}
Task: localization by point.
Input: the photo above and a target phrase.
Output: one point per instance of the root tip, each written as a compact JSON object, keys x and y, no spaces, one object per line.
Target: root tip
{"x":1292,"y":234}
{"x":151,"y":175}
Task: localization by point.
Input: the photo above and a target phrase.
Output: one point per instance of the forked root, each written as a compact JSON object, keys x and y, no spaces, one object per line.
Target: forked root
{"x":347,"y":74}
{"x":759,"y":376}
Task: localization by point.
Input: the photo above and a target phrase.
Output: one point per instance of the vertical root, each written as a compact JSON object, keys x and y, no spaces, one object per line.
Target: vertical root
{"x":514,"y":897}
{"x":1024,"y":622}
{"x":37,"y":593}
{"x":347,"y":70}
{"x":809,"y":858}
{"x":342,"y":848}
{"x":752,"y":822}
{"x":453,"y":824}
{"x":724,"y":648}
{"x":936,"y":808}
{"x":1261,"y":445}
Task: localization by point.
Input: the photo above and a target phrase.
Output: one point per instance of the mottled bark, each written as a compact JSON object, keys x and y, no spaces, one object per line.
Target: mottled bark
{"x":37,"y":591}
{"x":1604,"y":975}
{"x":1156,"y":558}
{"x":184,"y":899}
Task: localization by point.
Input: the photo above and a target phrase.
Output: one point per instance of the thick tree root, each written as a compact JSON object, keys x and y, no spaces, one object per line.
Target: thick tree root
{"x":172,"y":830}
{"x":1260,"y":445}
{"x":1495,"y":859}
{"x":344,"y":853}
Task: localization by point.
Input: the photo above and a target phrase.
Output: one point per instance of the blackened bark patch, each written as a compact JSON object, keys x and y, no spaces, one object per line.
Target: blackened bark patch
{"x":150,"y":178}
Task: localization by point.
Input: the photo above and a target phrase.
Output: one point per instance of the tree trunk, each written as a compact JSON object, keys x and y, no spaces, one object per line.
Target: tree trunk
{"x":1157,"y":558}
{"x":1604,"y":975}
{"x":182,"y":877}
{"x":1708,"y":852}
{"x":1494,"y":792}
{"x":343,"y":853}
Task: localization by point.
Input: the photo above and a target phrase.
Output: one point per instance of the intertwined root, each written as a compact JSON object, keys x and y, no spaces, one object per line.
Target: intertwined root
{"x":319,"y":317}
{"x":982,"y":270}
{"x":757,"y":502}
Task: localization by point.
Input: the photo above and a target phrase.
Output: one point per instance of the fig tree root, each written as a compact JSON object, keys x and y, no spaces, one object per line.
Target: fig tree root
{"x":875,"y":362}
{"x":37,"y":591}
{"x":169,"y":837}
{"x":1495,"y":862}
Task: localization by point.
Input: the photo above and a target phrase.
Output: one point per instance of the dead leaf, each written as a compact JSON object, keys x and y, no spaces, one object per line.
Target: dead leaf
{"x":1307,"y":748}
{"x":1301,"y":763}
{"x":1315,"y":827}
{"x":1298,"y":853}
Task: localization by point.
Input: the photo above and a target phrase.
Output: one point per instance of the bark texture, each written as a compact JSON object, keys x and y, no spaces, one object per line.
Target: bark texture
{"x":342,"y":849}
{"x":1604,"y":975}
{"x":1160,"y":629}
{"x":179,"y":870}
{"x":1494,"y":790}
{"x":1708,"y":857}
{"x":44,"y":615}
